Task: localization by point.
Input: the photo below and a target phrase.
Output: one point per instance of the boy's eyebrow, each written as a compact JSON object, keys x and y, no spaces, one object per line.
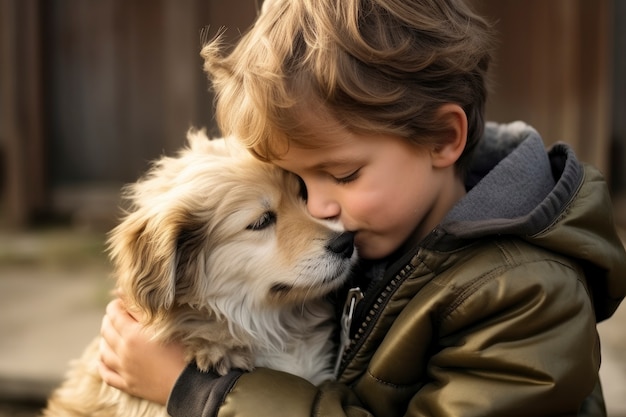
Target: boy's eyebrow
{"x":331,"y":163}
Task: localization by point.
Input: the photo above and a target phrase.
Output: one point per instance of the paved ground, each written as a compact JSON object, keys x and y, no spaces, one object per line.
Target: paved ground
{"x":53,"y":289}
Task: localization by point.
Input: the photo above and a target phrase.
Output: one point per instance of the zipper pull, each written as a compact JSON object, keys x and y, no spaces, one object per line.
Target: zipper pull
{"x":355,"y":295}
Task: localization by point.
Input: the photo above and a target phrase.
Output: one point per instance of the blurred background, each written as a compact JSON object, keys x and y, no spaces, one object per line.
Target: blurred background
{"x":92,"y":90}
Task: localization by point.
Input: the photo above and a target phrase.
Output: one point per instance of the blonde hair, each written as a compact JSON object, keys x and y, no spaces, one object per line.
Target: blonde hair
{"x":373,"y":66}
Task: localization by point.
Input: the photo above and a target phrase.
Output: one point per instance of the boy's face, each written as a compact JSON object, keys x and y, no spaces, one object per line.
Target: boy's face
{"x":381,"y":187}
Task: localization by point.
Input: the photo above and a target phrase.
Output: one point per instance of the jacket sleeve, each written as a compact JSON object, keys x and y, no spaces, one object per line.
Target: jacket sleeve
{"x":198,"y":394}
{"x":201,"y":394}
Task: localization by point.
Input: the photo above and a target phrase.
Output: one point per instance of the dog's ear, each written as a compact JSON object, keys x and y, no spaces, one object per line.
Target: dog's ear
{"x":156,"y":248}
{"x":149,"y":251}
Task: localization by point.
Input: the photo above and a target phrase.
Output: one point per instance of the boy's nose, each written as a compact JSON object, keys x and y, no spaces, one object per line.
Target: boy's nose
{"x":321,"y":206}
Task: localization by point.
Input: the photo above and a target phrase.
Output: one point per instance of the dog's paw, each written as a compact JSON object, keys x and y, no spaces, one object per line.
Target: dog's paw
{"x":222,"y":362}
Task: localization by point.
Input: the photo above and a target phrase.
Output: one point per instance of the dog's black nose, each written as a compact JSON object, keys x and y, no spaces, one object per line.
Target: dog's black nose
{"x":342,"y":244}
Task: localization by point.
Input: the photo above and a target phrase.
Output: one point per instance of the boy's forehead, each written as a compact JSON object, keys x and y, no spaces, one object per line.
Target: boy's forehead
{"x":320,"y":156}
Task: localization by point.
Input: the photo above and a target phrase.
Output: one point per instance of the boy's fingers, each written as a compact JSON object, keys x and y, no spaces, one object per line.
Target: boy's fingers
{"x":118,"y":310}
{"x":109,"y":335}
{"x":107,"y":366}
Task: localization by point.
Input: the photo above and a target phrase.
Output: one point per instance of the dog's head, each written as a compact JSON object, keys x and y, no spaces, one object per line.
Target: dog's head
{"x":213,"y":226}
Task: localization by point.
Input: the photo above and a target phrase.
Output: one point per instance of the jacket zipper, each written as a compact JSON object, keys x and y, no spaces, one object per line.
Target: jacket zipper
{"x":348,"y":345}
{"x":354,"y":297}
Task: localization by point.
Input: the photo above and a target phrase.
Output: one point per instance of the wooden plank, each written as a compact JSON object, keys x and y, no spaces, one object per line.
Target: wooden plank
{"x":24,"y":192}
{"x":618,"y":106}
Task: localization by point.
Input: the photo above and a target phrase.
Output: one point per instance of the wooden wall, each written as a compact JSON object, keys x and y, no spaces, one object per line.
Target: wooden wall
{"x":125,"y":81}
{"x":94,"y":90}
{"x":554,"y":70}
{"x":91,"y":91}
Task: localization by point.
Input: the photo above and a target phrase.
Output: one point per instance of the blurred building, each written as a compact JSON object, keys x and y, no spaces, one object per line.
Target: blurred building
{"x":91,"y":91}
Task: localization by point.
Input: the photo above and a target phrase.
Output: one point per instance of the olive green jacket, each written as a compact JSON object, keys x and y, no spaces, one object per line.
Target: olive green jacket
{"x":493,"y":314}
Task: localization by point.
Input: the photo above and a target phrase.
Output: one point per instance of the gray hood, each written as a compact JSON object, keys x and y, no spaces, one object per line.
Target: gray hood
{"x":512,"y":185}
{"x":549,"y":199}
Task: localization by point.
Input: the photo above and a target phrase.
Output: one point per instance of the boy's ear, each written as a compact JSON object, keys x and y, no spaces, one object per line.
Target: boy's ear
{"x":453,"y":137}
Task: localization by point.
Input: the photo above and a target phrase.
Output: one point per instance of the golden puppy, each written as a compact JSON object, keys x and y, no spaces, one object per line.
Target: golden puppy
{"x":218,"y":251}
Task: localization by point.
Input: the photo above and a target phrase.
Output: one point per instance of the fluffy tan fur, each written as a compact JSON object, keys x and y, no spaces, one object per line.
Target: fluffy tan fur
{"x":218,"y":251}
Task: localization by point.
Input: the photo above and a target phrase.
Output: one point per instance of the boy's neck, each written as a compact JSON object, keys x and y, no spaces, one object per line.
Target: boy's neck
{"x":453,"y":194}
{"x":450,"y":195}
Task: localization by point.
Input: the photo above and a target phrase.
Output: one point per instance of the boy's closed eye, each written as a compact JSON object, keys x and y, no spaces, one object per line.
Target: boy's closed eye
{"x":348,"y":178}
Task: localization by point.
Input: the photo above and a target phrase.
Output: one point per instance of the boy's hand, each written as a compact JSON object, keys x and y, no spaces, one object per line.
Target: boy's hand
{"x":130,"y":360}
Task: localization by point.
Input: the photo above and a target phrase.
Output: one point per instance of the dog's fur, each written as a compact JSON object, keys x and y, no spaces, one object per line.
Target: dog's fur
{"x":218,"y":251}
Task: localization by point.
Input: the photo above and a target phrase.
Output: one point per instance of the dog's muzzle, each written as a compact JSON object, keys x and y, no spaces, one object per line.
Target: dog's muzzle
{"x":342,"y":244}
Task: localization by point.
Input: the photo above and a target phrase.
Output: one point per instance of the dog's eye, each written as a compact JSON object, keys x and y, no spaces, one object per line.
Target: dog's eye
{"x":267,"y":219}
{"x":303,"y":193}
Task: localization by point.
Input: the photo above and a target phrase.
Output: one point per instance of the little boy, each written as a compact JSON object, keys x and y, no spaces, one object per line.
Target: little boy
{"x":486,"y":262}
